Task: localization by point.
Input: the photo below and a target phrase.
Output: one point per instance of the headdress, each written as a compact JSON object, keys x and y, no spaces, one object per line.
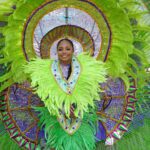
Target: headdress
{"x":115,"y":32}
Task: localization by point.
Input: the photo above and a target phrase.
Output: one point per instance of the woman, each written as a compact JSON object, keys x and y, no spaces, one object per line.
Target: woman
{"x":65,"y":51}
{"x":68,"y":87}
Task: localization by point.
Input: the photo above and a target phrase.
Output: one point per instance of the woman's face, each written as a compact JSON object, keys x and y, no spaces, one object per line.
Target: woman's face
{"x":65,"y":52}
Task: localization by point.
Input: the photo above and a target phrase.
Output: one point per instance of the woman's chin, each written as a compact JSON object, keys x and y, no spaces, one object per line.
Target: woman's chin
{"x":65,"y":61}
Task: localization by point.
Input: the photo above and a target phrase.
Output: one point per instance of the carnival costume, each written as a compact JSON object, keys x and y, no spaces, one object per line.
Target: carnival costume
{"x":58,"y":94}
{"x":36,"y":99}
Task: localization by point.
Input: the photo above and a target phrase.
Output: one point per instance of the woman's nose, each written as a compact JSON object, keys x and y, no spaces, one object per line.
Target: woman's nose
{"x":64,"y":51}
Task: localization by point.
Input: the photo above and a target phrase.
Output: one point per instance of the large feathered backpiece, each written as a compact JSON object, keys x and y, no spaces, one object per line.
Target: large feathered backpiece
{"x":116,"y":32}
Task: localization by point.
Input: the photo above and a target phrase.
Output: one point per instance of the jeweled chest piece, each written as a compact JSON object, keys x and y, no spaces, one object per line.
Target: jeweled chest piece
{"x":70,"y":125}
{"x":61,"y":73}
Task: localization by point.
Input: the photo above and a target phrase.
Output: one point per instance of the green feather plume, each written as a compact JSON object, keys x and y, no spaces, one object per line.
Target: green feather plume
{"x":85,"y":91}
{"x":83,"y":138}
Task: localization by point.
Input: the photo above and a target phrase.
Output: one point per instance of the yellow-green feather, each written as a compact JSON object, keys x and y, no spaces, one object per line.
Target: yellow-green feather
{"x":86,"y":89}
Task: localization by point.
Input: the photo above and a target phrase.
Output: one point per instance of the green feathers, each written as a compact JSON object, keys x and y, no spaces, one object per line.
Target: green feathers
{"x":82,"y":139}
{"x":85,"y":91}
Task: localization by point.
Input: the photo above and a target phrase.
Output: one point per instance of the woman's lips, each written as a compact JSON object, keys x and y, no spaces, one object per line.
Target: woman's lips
{"x":64,"y":56}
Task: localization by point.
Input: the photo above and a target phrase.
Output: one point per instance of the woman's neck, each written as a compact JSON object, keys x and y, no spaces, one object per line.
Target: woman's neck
{"x":65,"y":63}
{"x":65,"y":70}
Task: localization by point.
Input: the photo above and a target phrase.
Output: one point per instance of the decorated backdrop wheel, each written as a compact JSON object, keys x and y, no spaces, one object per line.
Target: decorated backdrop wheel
{"x":93,"y":28}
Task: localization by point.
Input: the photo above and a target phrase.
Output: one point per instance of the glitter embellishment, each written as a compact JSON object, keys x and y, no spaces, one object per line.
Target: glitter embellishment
{"x":66,"y":85}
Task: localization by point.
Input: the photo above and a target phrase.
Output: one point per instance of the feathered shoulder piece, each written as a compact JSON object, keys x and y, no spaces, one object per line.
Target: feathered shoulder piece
{"x":80,"y":89}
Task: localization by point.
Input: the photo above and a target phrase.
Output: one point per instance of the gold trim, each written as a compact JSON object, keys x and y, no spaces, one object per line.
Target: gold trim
{"x":69,"y":77}
{"x":30,"y":127}
{"x":105,"y":115}
{"x":12,"y":118}
{"x":71,"y":34}
{"x":78,"y":125}
{"x":70,"y":5}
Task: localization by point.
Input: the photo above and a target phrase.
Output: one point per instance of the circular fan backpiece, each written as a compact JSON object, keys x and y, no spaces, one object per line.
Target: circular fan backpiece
{"x":81,"y":39}
{"x":19,"y":117}
{"x":47,"y":24}
{"x":90,"y":31}
{"x":116,"y":107}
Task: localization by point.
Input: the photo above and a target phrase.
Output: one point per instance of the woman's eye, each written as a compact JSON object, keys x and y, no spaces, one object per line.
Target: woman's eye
{"x":60,"y":49}
{"x":68,"y":49}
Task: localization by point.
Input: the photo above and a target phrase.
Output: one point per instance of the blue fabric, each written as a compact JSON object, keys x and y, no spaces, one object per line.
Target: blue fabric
{"x":101,"y":133}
